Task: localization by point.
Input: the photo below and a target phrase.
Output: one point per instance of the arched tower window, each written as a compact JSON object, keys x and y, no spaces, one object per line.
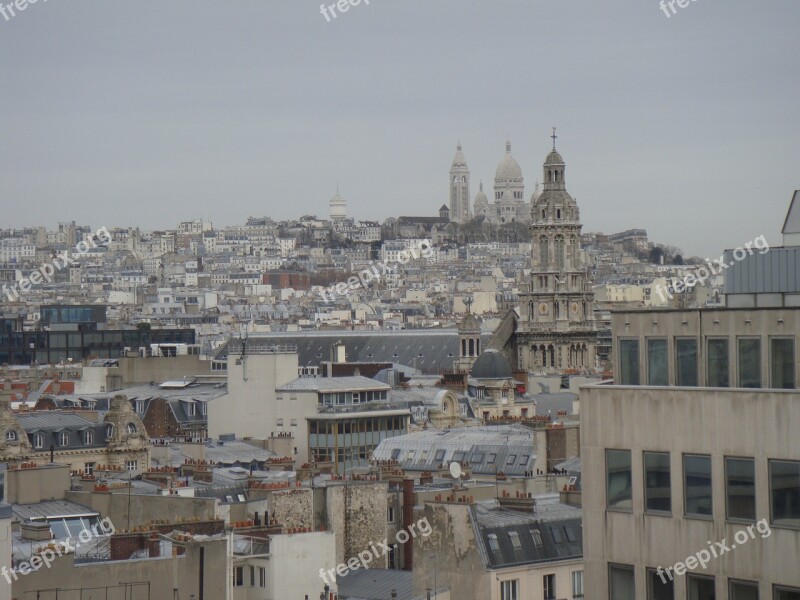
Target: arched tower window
{"x":560,"y":253}
{"x":471,"y":347}
{"x":543,"y":252}
{"x":558,"y":214}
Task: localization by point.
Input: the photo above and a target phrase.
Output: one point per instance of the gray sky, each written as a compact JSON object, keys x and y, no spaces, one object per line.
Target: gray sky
{"x":155,"y":111}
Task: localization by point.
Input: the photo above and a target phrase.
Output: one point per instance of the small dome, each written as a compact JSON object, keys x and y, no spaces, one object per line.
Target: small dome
{"x":480,"y":197}
{"x":536,"y":193}
{"x":508,"y":169}
{"x":554,"y":158}
{"x":491,"y":365}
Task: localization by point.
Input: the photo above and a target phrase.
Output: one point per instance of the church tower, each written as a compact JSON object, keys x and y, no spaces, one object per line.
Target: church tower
{"x":459,"y":189}
{"x":556,"y":332}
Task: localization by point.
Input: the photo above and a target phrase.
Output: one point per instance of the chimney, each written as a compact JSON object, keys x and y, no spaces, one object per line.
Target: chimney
{"x":338,"y":353}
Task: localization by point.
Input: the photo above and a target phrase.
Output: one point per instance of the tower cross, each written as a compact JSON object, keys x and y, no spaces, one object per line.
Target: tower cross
{"x":554,"y":136}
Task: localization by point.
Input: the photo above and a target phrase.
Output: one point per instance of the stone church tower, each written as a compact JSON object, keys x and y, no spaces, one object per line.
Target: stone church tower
{"x":556,"y":330}
{"x":460,"y":210}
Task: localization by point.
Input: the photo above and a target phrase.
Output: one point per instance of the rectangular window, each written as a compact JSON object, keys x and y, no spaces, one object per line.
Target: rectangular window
{"x":131,"y":465}
{"x":742,"y":590}
{"x":659,"y":585}
{"x":784,"y":491}
{"x":697,"y":485}
{"x":740,"y":489}
{"x":88,"y":468}
{"x":657,"y":493}
{"x":781,"y":363}
{"x":629,"y":362}
{"x":238,"y":576}
{"x":509,"y":590}
{"x":749,"y":362}
{"x":549,"y":587}
{"x":577,"y":585}
{"x":390,"y":514}
{"x":515,"y":541}
{"x":621,"y":582}
{"x":700,"y":588}
{"x":686,"y":362}
{"x":657,"y":367}
{"x":252,"y":576}
{"x":618,"y":479}
{"x":718,"y":363}
{"x":262,"y":577}
{"x":536,"y":535}
{"x":784,"y":593}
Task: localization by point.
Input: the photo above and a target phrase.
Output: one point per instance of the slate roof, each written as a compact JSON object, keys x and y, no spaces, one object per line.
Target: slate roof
{"x":505,"y":448}
{"x":438,"y":347}
{"x":509,"y":537}
{"x":332,"y":384}
{"x":375,"y":584}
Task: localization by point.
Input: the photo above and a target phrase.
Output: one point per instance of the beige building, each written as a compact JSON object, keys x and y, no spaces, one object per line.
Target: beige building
{"x":84,"y":440}
{"x":250,"y":407}
{"x":511,"y":549}
{"x":691,"y":465}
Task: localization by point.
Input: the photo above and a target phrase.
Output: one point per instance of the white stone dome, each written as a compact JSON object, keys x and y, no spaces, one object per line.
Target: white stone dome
{"x":508,"y":169}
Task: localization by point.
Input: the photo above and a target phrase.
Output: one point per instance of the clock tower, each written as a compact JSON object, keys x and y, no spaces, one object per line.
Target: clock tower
{"x":556,"y":330}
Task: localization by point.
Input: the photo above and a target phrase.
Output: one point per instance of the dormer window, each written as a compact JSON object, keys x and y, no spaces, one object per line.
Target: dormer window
{"x":110,"y":431}
{"x":11,"y":435}
{"x":131,"y":428}
{"x":64,"y":438}
{"x":190,"y":409}
{"x":38,"y":440}
{"x":88,"y":437}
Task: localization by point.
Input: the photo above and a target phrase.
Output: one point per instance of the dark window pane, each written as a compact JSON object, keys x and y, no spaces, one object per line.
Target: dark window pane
{"x":618,"y":478}
{"x":783,"y":593}
{"x":621,"y":583}
{"x":749,"y":363}
{"x":743,"y":590}
{"x":782,"y":363}
{"x":785,"y":492}
{"x":697,"y":485}
{"x":657,"y":369}
{"x":686,"y":374}
{"x":700,"y":588}
{"x":740,"y":488}
{"x":718,"y":363}
{"x":657,"y":495}
{"x":659,"y":586}
{"x":629,"y":362}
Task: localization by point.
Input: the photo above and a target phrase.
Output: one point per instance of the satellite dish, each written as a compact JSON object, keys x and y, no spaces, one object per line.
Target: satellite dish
{"x":455,"y":470}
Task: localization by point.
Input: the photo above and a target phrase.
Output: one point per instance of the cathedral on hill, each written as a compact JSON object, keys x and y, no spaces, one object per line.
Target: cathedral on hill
{"x":508,"y":205}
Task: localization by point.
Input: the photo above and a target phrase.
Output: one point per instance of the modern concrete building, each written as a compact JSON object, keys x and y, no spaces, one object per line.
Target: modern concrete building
{"x":691,"y":465}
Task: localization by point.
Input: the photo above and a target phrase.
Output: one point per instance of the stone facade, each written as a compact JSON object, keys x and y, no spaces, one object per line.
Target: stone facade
{"x":357,"y":512}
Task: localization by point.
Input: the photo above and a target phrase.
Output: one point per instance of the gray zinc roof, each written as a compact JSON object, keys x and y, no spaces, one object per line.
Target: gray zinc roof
{"x":488,"y":450}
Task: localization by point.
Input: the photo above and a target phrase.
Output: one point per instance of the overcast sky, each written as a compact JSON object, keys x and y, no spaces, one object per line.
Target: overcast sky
{"x":155,"y":111}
